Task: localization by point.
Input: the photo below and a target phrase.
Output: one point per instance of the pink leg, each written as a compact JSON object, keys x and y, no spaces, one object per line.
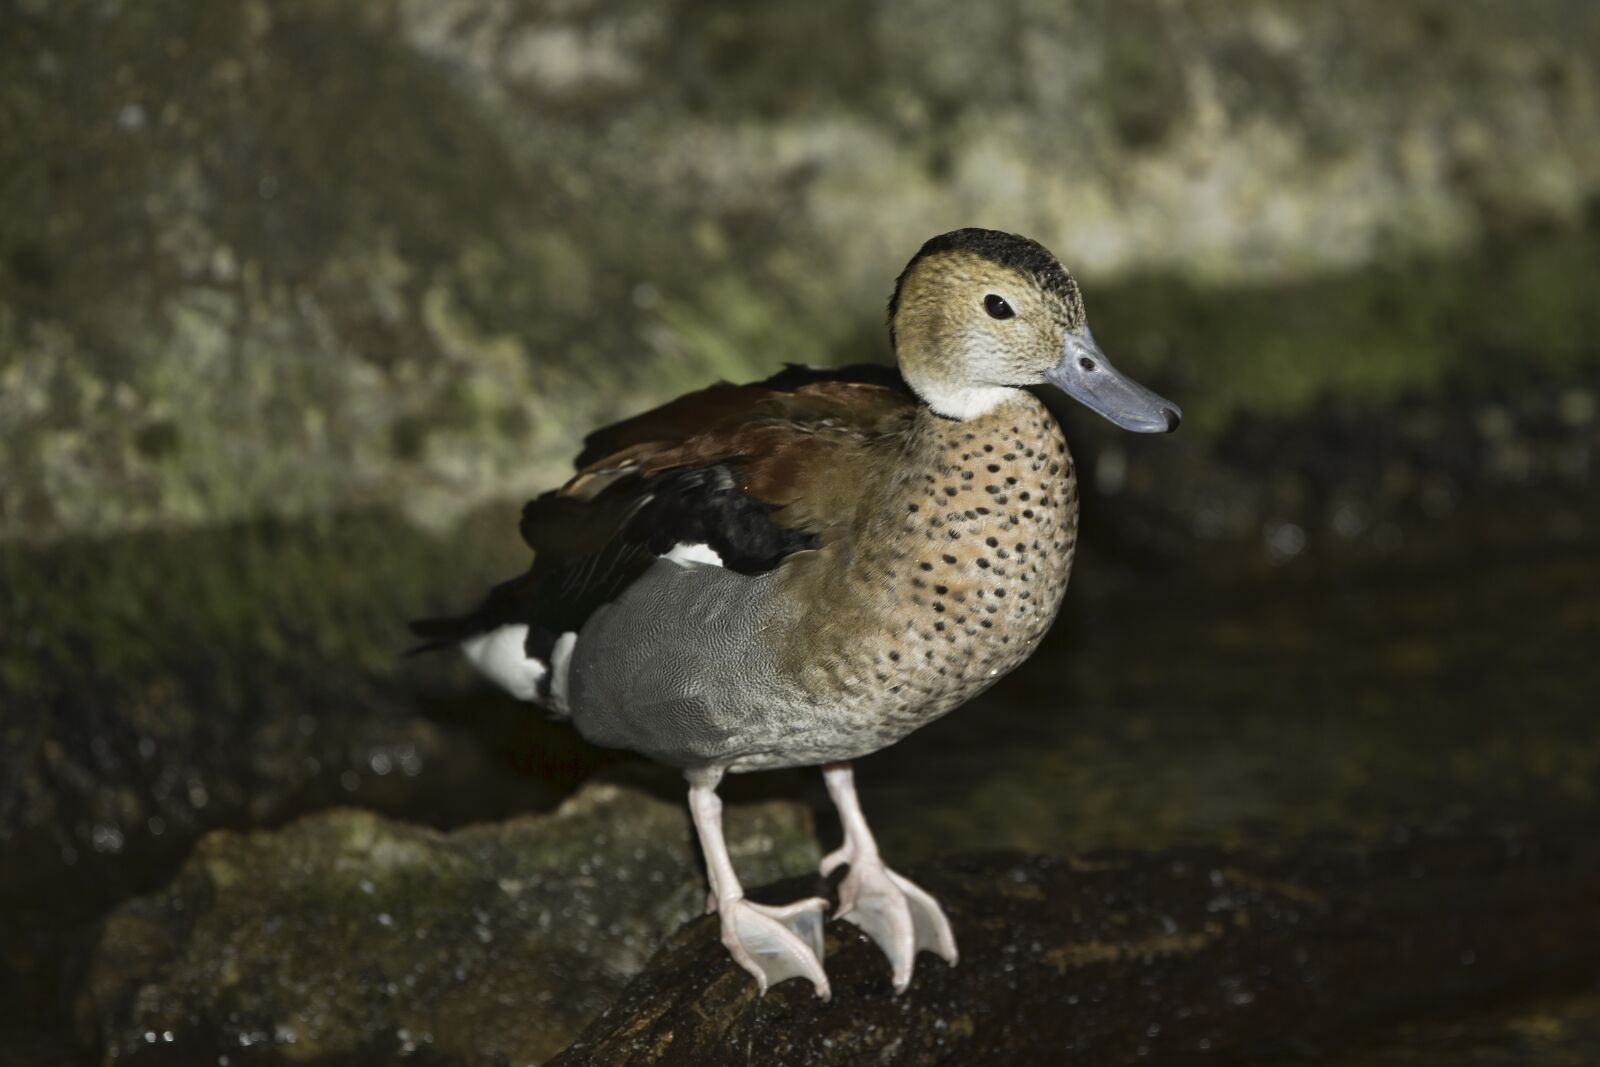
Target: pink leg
{"x":892,"y":910}
{"x":772,"y":943}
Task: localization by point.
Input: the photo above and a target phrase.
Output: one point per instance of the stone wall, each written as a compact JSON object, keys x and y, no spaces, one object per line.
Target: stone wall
{"x":282,"y":258}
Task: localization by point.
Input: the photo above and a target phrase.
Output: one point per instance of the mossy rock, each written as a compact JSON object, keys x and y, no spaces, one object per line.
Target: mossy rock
{"x":295,"y":257}
{"x":349,"y":935}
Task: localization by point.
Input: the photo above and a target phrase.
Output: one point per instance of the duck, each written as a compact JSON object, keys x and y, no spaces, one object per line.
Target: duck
{"x":803,"y":570}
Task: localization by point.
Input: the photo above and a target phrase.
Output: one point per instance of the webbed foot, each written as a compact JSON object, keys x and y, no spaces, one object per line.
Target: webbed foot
{"x":777,"y":943}
{"x":894,"y":911}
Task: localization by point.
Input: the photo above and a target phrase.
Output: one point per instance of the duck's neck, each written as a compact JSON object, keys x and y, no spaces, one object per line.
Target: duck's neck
{"x":963,"y":402}
{"x":1013,"y":421}
{"x":938,"y":373}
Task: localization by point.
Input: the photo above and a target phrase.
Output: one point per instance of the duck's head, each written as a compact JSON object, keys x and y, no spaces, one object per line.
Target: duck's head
{"x":978,"y":314}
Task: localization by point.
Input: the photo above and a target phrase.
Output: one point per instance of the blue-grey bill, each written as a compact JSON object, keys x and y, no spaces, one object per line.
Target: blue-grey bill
{"x":1087,"y":376}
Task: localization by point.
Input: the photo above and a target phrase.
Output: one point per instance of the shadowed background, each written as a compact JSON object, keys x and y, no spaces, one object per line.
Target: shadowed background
{"x":298,"y":301}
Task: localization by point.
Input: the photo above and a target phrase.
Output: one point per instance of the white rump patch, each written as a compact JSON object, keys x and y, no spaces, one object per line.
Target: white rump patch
{"x":502,"y":655}
{"x":560,"y":666}
{"x":686,"y":553}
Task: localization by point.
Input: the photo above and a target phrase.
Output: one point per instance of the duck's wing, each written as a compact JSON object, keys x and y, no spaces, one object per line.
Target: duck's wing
{"x":752,"y":473}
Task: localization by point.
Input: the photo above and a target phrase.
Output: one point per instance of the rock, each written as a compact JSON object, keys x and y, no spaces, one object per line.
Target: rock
{"x":1189,"y":955}
{"x":159,"y":685}
{"x":296,"y":255}
{"x":349,"y":935}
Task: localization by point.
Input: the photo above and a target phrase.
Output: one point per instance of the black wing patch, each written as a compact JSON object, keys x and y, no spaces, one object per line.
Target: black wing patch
{"x":684,"y":506}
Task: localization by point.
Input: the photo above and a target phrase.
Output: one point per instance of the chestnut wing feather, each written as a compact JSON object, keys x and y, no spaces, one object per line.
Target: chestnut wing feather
{"x":755,"y":472}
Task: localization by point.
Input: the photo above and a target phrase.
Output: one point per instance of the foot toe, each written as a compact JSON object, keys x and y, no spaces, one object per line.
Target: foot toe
{"x":777,"y":943}
{"x":931,"y":929}
{"x":899,"y":916}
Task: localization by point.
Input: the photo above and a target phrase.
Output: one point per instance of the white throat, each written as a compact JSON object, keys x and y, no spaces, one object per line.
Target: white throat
{"x":965,"y":402}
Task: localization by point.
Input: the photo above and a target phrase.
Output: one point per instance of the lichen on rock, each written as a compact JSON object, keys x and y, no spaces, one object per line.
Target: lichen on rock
{"x":346,"y":934}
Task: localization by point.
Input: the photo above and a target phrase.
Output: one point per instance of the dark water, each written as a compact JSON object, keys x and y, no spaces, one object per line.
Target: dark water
{"x":1255,"y":704}
{"x":1213,"y":696}
{"x":1197,"y":709}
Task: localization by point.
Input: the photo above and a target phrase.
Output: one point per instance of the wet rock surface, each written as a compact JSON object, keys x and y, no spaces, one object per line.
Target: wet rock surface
{"x":158,"y":686}
{"x":1177,"y":956}
{"x":346,"y":936}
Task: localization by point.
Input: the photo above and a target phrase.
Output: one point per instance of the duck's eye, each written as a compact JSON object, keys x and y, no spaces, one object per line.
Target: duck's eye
{"x":997,"y":307}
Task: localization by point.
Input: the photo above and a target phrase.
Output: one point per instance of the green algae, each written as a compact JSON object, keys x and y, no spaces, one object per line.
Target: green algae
{"x":1484,"y":322}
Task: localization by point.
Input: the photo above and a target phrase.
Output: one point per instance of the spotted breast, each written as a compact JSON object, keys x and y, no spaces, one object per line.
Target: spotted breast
{"x":950,"y":584}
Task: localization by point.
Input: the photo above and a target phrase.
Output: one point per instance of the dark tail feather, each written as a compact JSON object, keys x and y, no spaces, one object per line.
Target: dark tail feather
{"x":444,"y":631}
{"x":507,"y":603}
